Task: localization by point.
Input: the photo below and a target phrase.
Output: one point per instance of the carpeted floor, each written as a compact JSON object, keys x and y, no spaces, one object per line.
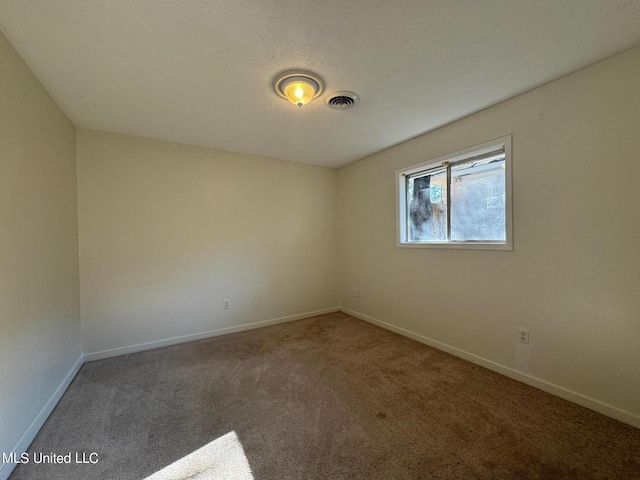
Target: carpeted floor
{"x":330,"y":397}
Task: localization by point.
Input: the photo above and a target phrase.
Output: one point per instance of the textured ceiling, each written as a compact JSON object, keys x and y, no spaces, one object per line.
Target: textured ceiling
{"x":200,"y":71}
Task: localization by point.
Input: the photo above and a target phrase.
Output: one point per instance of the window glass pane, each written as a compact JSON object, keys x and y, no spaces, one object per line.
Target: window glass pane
{"x":478,"y":200}
{"x":427,"y":207}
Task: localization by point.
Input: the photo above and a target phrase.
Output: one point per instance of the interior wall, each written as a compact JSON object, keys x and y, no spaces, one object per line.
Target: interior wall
{"x":168,"y":231}
{"x":573,"y":277}
{"x":39,"y":291}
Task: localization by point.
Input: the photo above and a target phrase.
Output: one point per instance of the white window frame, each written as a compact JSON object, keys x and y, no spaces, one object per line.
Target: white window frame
{"x":460,"y":155}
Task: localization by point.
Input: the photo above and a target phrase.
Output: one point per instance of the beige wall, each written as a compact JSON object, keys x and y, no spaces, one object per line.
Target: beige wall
{"x":574,"y":275}
{"x":168,"y":231}
{"x":39,"y":293}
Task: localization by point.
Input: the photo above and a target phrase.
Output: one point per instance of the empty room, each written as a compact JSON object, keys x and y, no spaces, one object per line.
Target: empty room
{"x":275,"y":239}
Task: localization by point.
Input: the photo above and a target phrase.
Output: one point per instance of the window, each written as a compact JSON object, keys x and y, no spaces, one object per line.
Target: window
{"x":460,"y":200}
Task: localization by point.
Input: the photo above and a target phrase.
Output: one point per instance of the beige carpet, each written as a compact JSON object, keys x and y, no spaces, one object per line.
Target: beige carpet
{"x":331,"y":397}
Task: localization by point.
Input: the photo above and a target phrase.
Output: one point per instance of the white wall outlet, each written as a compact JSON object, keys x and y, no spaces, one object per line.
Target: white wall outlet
{"x":523,"y":335}
{"x":355,"y":292}
{"x":225,"y":304}
{"x":360,"y":293}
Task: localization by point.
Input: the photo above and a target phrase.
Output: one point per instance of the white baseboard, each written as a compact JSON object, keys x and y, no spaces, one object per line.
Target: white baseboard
{"x":36,"y":425}
{"x":115,"y":352}
{"x":591,"y":403}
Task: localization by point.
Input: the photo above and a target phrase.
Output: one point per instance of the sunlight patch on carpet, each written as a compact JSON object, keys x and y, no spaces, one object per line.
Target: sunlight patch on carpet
{"x":221,"y":459}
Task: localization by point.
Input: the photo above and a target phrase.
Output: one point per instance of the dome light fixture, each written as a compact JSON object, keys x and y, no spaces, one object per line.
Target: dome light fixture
{"x":298,"y":86}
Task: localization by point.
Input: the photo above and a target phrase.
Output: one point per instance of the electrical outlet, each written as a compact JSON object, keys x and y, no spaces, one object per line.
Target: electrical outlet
{"x":355,"y":292}
{"x":523,"y":335}
{"x":360,"y":293}
{"x":225,"y":304}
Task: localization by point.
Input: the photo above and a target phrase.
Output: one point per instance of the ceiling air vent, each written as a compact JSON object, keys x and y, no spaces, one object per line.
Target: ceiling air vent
{"x":341,"y":100}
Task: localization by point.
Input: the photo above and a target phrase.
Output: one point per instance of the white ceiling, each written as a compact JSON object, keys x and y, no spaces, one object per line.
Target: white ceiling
{"x":200,"y":72}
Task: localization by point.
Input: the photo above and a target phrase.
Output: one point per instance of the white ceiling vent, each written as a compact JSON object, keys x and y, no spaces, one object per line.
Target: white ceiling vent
{"x":341,"y":100}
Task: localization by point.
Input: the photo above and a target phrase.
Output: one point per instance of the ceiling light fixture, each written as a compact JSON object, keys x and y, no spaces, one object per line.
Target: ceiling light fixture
{"x":298,"y":86}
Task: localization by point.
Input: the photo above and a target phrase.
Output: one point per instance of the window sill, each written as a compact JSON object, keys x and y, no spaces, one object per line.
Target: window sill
{"x":458,"y":246}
